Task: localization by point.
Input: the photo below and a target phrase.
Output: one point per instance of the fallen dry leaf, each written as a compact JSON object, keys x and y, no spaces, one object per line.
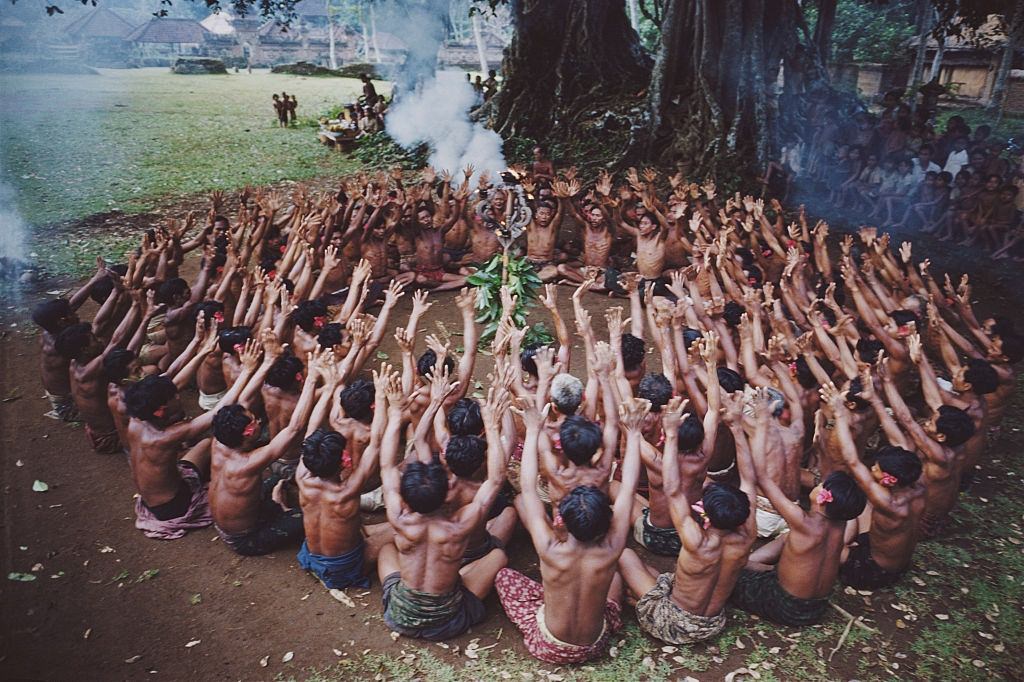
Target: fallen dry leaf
{"x":343,"y":598}
{"x":288,"y":656}
{"x":193,"y":643}
{"x":265,"y":661}
{"x":133,"y":658}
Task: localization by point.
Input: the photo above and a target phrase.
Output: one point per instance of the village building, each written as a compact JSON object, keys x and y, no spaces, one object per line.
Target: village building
{"x":161,"y":40}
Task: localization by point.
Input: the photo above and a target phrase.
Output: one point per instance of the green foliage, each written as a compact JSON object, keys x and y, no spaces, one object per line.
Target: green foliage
{"x":870,"y":31}
{"x":523,"y":283}
{"x":379,"y":150}
{"x":519,"y":149}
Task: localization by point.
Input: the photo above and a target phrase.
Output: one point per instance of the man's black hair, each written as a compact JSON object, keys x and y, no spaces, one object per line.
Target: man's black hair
{"x":285,"y":373}
{"x":656,"y":388}
{"x":171,"y":289}
{"x":689,"y":336}
{"x":427,"y":361}
{"x":321,"y":452}
{"x":357,"y":399}
{"x":633,"y":350}
{"x":101,"y":290}
{"x":1013,"y":347}
{"x":868,"y":349}
{"x":116,"y":363}
{"x":465,"y":454}
{"x":904,"y":317}
{"x":147,"y":396}
{"x":903,"y":464}
{"x":526,"y":358}
{"x":229,"y":424}
{"x":955,"y":424}
{"x":305,"y":314}
{"x":72,"y":342}
{"x":690,"y":433}
{"x":1003,"y":326}
{"x":730,"y":380}
{"x":848,"y":500}
{"x":982,"y":377}
{"x":853,"y":395}
{"x":228,"y":338}
{"x":330,"y":335}
{"x":580,"y":439}
{"x":209,"y":308}
{"x":49,"y":314}
{"x":464,"y":419}
{"x":732,"y":314}
{"x":586,"y":512}
{"x":727,"y":506}
{"x":424,"y":486}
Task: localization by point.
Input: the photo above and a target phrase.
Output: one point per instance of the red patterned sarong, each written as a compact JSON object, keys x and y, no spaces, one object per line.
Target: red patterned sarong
{"x":523,"y":601}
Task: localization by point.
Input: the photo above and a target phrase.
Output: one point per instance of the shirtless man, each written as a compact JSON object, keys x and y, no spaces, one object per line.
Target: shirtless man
{"x":330,"y":480}
{"x":542,"y":168}
{"x":582,"y":452}
{"x":650,"y":233}
{"x":795,"y":592}
{"x":247,"y":519}
{"x":882,"y":552}
{"x":418,"y":372}
{"x":181,"y":302}
{"x":715,"y":534}
{"x":88,"y":381}
{"x":597,"y":237}
{"x":427,"y":592}
{"x":430,"y":234}
{"x":542,"y":238}
{"x":571,"y":616}
{"x":936,"y":441}
{"x":483,"y":232}
{"x":375,"y":245}
{"x":694,"y":440}
{"x":172,"y":490}
{"x":53,"y":317}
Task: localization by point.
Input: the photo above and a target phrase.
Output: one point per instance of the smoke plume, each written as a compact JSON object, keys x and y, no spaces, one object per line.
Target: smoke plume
{"x":433,"y":107}
{"x":13,"y":230}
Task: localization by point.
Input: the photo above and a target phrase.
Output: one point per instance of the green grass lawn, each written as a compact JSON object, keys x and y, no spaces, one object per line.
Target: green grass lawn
{"x":125,"y":140}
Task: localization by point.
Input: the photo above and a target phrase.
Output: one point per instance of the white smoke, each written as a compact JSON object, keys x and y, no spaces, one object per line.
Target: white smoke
{"x":437,"y":114}
{"x":13,"y":229}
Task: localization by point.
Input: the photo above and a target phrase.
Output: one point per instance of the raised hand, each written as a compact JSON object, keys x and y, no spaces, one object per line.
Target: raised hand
{"x":602,"y":357}
{"x":546,"y":365}
{"x":466,"y":300}
{"x":394,"y":292}
{"x":615,"y":322}
{"x":440,"y":349}
{"x":632,"y":412}
{"x":914,"y":348}
{"x":404,"y":339}
{"x":672,"y":414}
{"x":832,"y":396}
{"x":550,"y":297}
{"x":439,"y":386}
{"x":494,"y":408}
{"x":250,"y":355}
{"x":604,"y":183}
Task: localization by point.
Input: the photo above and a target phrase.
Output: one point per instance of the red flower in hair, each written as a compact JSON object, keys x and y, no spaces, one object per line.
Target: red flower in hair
{"x":282,"y":249}
{"x":558,"y":521}
{"x":346,"y":459}
{"x":824,"y":496}
{"x":251,"y":428}
{"x":298,"y":377}
{"x":888,"y":480}
{"x":160,"y":411}
{"x":319,"y":321}
{"x":238,"y":348}
{"x":218,"y":316}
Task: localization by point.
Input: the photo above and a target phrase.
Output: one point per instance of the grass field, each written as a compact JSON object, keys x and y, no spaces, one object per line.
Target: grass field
{"x":125,"y":140}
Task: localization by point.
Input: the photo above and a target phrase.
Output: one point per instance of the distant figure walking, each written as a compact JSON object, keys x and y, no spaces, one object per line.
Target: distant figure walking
{"x":281,"y":109}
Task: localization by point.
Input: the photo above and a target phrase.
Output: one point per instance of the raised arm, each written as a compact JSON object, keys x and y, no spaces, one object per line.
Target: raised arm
{"x":530,"y":508}
{"x":631,"y":412}
{"x":550,"y":301}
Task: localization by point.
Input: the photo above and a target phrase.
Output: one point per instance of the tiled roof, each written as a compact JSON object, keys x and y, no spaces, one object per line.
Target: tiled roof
{"x":99,"y":23}
{"x":164,"y":30}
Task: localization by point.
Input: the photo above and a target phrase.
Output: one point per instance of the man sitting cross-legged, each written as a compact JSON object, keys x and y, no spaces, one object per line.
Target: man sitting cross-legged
{"x":330,"y":481}
{"x":246,"y":516}
{"x":885,"y":547}
{"x":715,"y":534}
{"x":571,"y":616}
{"x":795,"y":592}
{"x":428,"y":593}
{"x":172,"y":490}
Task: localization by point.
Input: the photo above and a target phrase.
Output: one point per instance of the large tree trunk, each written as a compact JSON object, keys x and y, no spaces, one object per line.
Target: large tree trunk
{"x":712,"y":88}
{"x":940,"y":52}
{"x":1014,"y":40}
{"x":823,"y":29}
{"x":924,"y":27}
{"x":565,"y":55}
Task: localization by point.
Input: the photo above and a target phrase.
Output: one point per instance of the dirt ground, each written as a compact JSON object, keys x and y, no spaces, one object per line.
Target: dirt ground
{"x":107,"y":603}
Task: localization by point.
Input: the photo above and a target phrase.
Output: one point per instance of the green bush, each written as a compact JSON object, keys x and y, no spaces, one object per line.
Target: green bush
{"x":523,"y":283}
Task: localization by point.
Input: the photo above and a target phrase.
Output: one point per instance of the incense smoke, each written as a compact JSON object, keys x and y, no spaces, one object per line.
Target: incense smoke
{"x":433,"y":107}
